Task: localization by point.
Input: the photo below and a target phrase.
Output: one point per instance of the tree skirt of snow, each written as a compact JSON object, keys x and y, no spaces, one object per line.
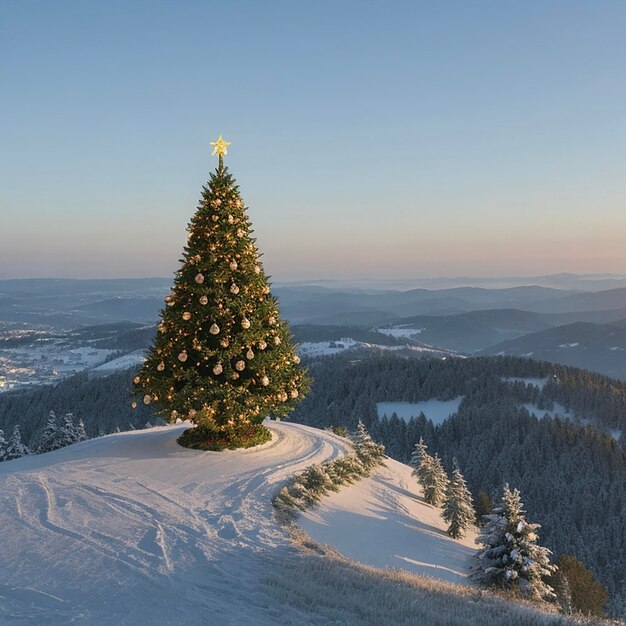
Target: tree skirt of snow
{"x":383,"y":521}
{"x":438,"y":411}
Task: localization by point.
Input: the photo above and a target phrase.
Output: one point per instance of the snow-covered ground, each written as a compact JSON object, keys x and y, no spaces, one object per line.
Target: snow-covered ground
{"x":121,"y":363}
{"x":383,"y":521}
{"x":435,"y":410}
{"x":558,"y":409}
{"x":400,"y":331}
{"x":327,"y":348}
{"x":133,"y":529}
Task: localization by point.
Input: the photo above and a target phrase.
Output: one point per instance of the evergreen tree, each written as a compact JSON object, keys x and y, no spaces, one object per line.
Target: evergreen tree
{"x":435,"y":480}
{"x":16,"y":449}
{"x":67,"y":431}
{"x":3,"y":446}
{"x":484,"y":504}
{"x":510,"y":557}
{"x":81,"y":433}
{"x":222,"y":357}
{"x":417,"y":455}
{"x":367,"y":450}
{"x":51,"y":438}
{"x":457,"y":509}
{"x":586,"y":594}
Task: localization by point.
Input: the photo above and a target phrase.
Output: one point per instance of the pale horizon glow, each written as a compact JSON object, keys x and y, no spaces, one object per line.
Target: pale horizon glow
{"x":451,"y":139}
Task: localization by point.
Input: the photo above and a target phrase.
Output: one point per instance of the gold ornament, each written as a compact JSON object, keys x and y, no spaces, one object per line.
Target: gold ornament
{"x":147,"y":399}
{"x":282,"y":396}
{"x":294,"y":393}
{"x":183,"y":356}
{"x":174,"y":414}
{"x":215,"y":203}
{"x":199,"y":279}
{"x":265,"y":381}
{"x":224,"y":342}
{"x":240,"y":366}
{"x":231,"y":219}
{"x":218,"y":369}
{"x":266,"y":290}
{"x":220,"y":147}
{"x":257,"y":269}
{"x":277,"y":340}
{"x":262,"y":345}
{"x":245,"y":323}
{"x":137,"y":380}
{"x":240,"y":232}
{"x":186,"y":315}
{"x":234,"y":376}
{"x":161,"y":366}
{"x":234,"y":289}
{"x":296,"y":359}
{"x":214,"y":218}
{"x":161,"y":327}
{"x":249,"y":354}
{"x":215,"y":329}
{"x":271,"y":320}
{"x":167,"y":298}
{"x":204,"y":300}
{"x":233,"y":265}
{"x":133,"y":404}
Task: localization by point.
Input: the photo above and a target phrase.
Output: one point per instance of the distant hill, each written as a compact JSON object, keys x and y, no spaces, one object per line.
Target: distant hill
{"x":597,"y":347}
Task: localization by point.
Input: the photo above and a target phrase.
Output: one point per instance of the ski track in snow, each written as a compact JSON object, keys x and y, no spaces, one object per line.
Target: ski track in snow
{"x":132,"y":528}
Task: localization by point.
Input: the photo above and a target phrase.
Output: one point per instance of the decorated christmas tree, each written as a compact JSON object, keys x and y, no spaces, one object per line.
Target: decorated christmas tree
{"x":222,"y":357}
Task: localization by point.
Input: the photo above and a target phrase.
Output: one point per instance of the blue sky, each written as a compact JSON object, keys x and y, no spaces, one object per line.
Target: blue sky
{"x":369,"y":138}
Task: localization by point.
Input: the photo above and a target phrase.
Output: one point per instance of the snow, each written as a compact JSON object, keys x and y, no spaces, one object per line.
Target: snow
{"x":327,"y":348}
{"x":121,"y":363}
{"x":558,"y":409}
{"x":569,"y":345}
{"x":132,"y":528}
{"x":383,"y":521}
{"x":438,"y":411}
{"x":536,"y":382}
{"x":400,"y":331}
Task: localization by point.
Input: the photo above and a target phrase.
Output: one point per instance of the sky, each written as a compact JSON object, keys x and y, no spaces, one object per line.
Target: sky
{"x":369,"y":139}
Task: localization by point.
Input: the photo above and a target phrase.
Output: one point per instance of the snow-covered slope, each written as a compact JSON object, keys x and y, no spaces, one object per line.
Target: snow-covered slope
{"x":133,"y":529}
{"x":383,"y":521}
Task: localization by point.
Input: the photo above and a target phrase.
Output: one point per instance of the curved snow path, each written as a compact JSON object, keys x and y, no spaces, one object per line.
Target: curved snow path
{"x":131,"y":528}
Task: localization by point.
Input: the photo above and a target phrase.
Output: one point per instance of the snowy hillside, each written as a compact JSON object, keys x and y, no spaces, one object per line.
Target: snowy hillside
{"x":131,"y":529}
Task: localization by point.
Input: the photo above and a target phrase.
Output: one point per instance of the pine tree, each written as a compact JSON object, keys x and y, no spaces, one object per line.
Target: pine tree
{"x":417,"y":455}
{"x":16,"y":449}
{"x":586,"y":594}
{"x":222,"y":357}
{"x":435,"y":480}
{"x":367,"y":450}
{"x":3,"y":446}
{"x":67,"y":431}
{"x":510,"y":557}
{"x":484,"y":504}
{"x":457,"y":509}
{"x":51,"y":437}
{"x":81,"y":433}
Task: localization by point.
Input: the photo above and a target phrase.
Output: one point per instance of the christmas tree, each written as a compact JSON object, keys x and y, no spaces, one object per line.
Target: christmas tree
{"x":222,"y":357}
{"x":511,"y":557}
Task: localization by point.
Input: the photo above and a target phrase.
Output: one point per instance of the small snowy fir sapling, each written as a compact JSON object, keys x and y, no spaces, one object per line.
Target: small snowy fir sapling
{"x":434,"y":480}
{"x":457,"y":508}
{"x":510,"y":557}
{"x":67,"y":431}
{"x":51,"y":436}
{"x":367,"y":450}
{"x":16,"y":449}
{"x":81,"y":433}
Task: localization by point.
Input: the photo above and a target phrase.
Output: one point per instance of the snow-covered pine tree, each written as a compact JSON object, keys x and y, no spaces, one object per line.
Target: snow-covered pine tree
{"x":51,"y":437}
{"x":510,"y":557}
{"x":81,"y":433}
{"x":417,"y":455}
{"x":458,"y":510}
{"x":434,"y":481}
{"x":3,"y":446}
{"x":222,"y":357}
{"x":16,"y":448}
{"x":367,"y":450}
{"x":67,"y":431}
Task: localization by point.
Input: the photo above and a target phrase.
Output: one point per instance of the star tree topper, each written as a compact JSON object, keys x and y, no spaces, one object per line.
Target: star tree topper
{"x":220,"y":147}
